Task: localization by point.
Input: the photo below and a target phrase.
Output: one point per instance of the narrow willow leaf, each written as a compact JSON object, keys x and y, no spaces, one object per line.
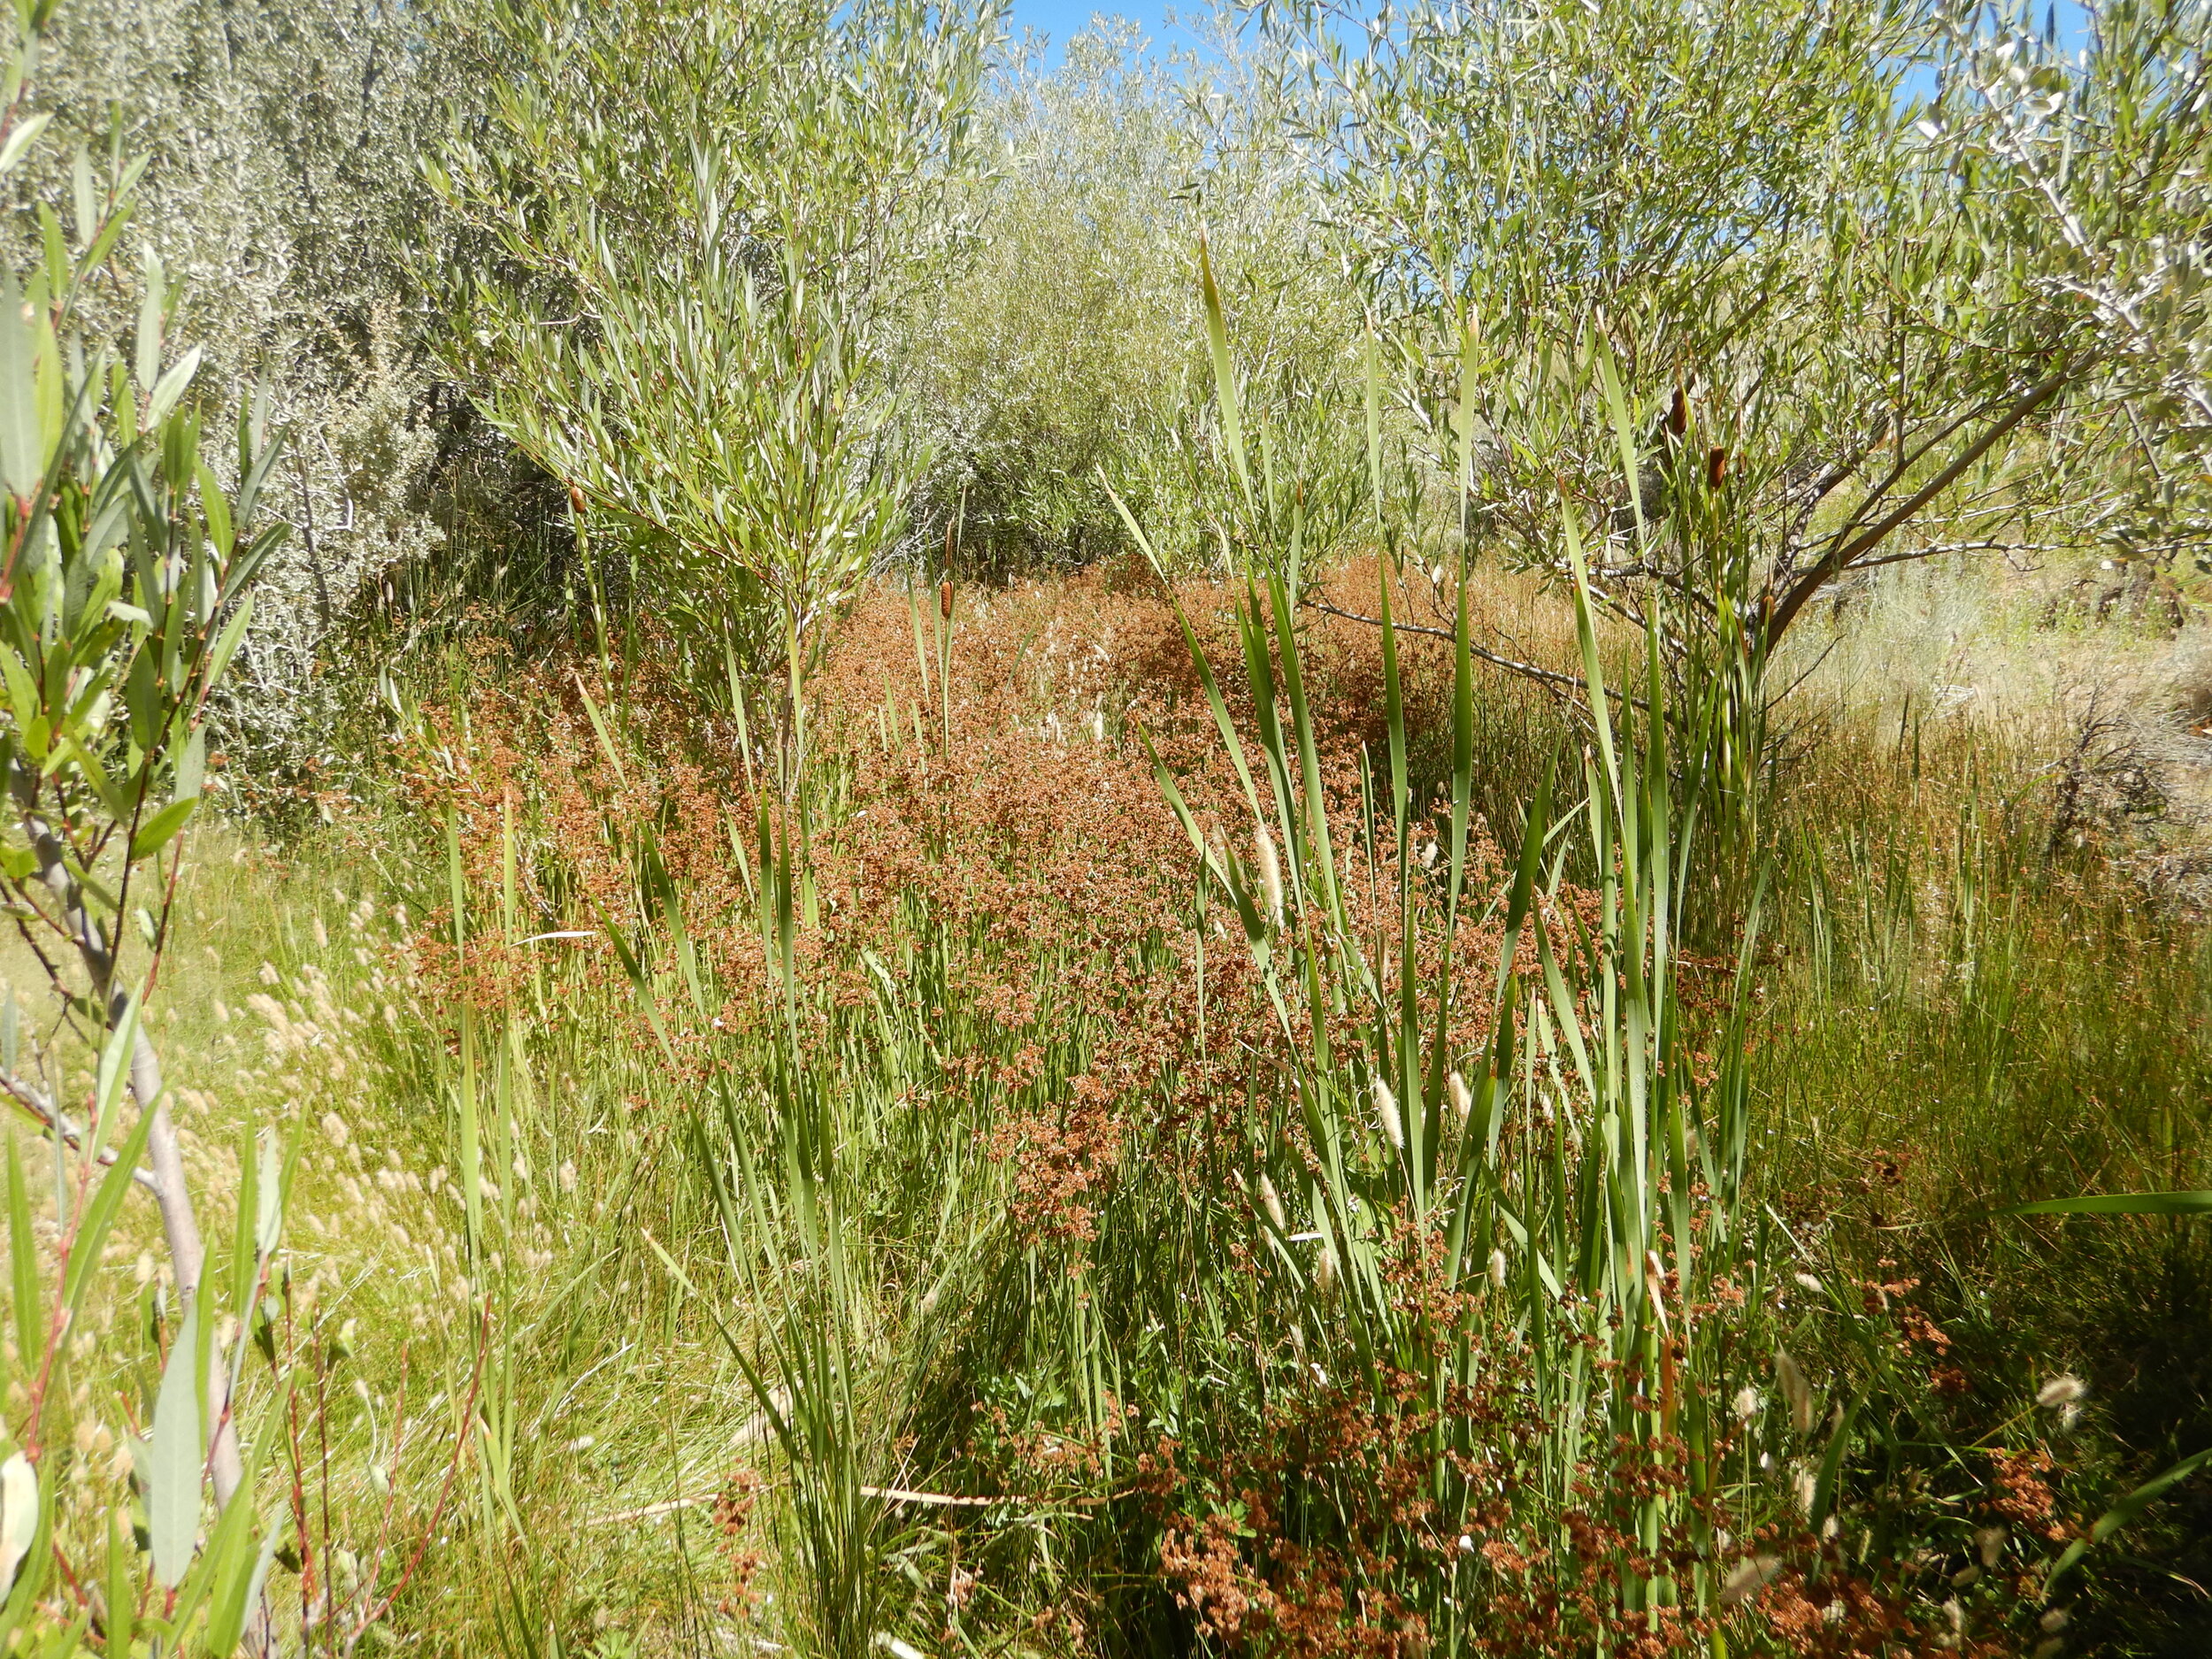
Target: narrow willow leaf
{"x":20,"y":432}
{"x":146,"y":354}
{"x":179,"y":1454}
{"x":2127,"y":1510}
{"x":2185,"y":1203}
{"x":1224,"y":369}
{"x":162,"y":827}
{"x":171,"y":386}
{"x":23,"y":1247}
{"x":21,"y":139}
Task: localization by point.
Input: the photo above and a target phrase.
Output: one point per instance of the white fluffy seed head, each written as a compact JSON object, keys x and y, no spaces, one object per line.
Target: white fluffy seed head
{"x":1497,"y":1268}
{"x":1271,"y":1202}
{"x":1805,"y":1488}
{"x":1746,"y":1578}
{"x":2065,"y":1389}
{"x":1270,"y":872}
{"x":1387,"y":1108}
{"x":1796,"y":1390}
{"x":1747,"y":1404}
{"x":1462,"y":1101}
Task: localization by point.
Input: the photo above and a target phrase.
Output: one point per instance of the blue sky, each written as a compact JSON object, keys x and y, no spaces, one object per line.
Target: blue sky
{"x":1060,"y":18}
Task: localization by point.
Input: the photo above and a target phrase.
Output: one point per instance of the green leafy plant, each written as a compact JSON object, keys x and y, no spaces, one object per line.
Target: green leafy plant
{"x":688,"y":336}
{"x":123,"y":596}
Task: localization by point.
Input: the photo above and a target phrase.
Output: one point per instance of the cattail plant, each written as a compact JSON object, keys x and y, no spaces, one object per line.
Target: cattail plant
{"x":1615,"y":1233}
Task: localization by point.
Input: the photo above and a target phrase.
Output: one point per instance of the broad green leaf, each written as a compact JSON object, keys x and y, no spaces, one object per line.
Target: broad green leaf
{"x":275,"y":1179}
{"x":226,"y":1622}
{"x":179,"y":1456}
{"x":216,"y":508}
{"x":22,"y":692}
{"x":192,"y":765}
{"x":226,"y":643}
{"x":122,"y":1609}
{"x":107,"y":1202}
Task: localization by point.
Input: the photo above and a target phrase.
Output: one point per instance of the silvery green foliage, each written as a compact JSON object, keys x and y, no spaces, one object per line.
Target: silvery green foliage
{"x":280,"y":189}
{"x":1065,"y":353}
{"x":2090,"y":157}
{"x":689,"y":331}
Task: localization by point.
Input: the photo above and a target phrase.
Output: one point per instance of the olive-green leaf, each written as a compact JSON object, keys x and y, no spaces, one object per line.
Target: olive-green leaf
{"x":20,"y":445}
{"x":179,"y":1456}
{"x":2118,"y":1204}
{"x":159,"y":828}
{"x":171,"y":387}
{"x":25,"y":133}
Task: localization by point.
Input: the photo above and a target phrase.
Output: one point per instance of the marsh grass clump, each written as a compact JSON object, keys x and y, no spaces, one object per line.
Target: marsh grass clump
{"x":1356,"y":850}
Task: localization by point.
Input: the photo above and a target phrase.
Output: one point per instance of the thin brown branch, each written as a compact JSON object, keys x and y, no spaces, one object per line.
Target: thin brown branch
{"x":1550,"y":678}
{"x":56,"y":1122}
{"x":1779,"y":617}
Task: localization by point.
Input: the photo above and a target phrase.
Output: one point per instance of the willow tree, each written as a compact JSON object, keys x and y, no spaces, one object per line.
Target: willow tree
{"x":681,"y":231}
{"x":1782,"y":295}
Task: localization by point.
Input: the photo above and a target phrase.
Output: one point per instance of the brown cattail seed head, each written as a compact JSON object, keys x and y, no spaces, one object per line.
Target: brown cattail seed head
{"x":1716,"y":468}
{"x":1678,"y":414}
{"x":944,"y":599}
{"x":576,"y":500}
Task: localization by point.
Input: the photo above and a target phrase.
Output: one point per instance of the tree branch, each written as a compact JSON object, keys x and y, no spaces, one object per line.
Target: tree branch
{"x":1780,"y":616}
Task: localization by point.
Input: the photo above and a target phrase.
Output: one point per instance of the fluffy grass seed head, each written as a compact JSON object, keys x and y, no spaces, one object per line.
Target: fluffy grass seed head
{"x":1462,"y":1101}
{"x":1796,"y":1390}
{"x":1270,"y":871}
{"x":1271,"y":1202}
{"x":1497,"y":1268}
{"x":1747,"y":1577}
{"x":1805,"y":1488}
{"x":1393,"y":1126}
{"x":2062,"y":1391}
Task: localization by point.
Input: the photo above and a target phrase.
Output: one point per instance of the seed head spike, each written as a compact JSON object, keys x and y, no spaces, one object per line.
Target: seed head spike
{"x":1463,"y":1101}
{"x":1271,"y":1202}
{"x":1387,"y":1108}
{"x":1270,"y":871}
